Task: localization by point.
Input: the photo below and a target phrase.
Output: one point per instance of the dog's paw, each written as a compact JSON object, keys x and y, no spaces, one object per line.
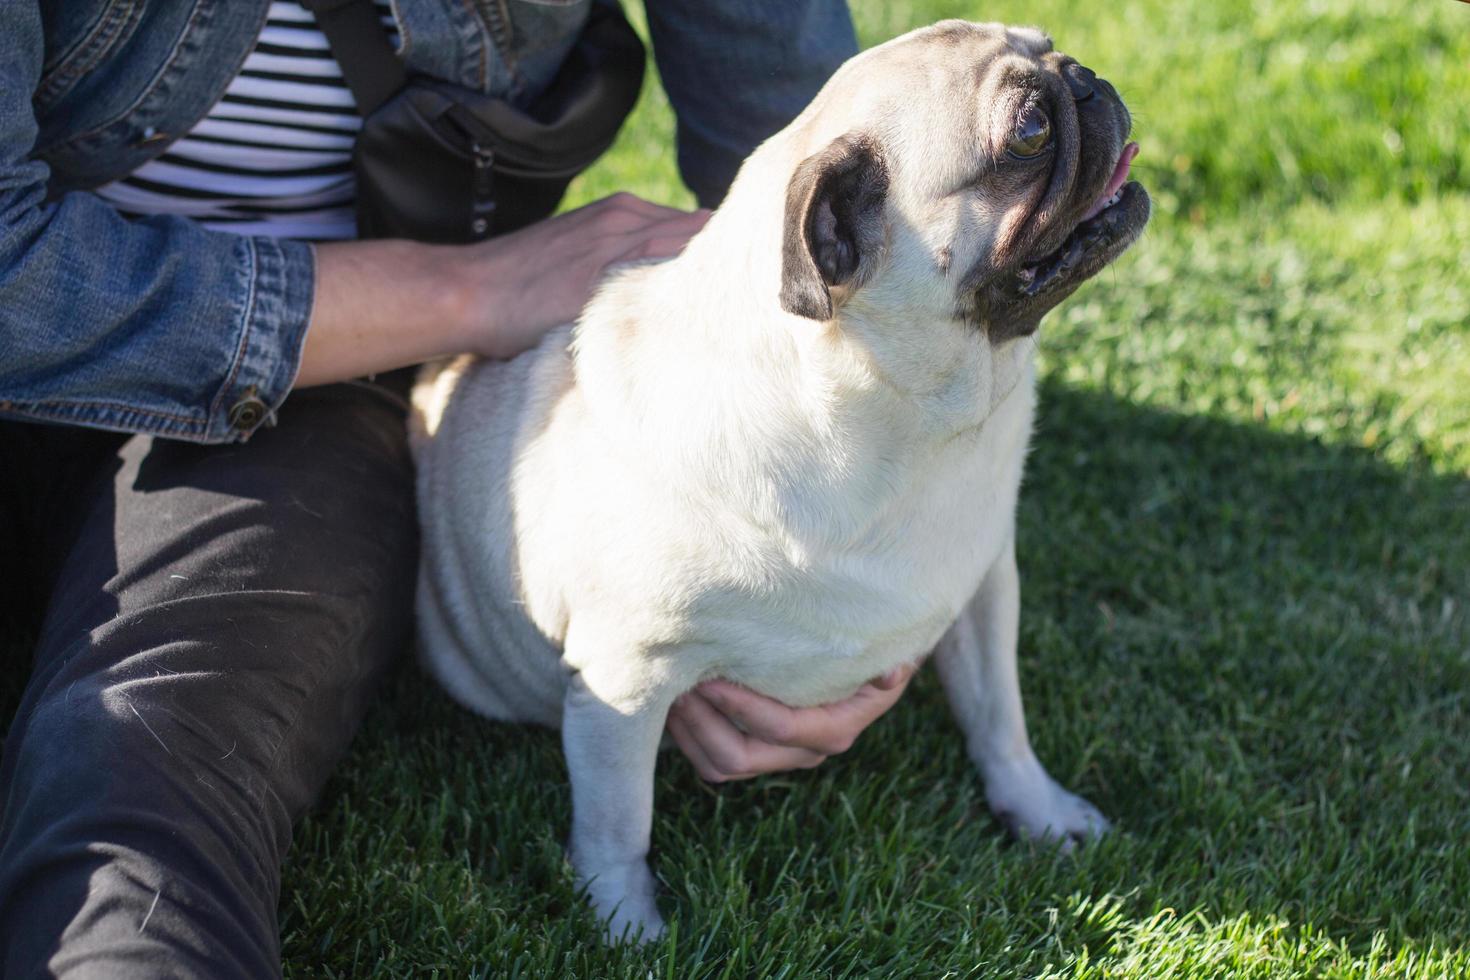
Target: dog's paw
{"x":638,"y":926}
{"x":1033,"y":806}
{"x":623,"y":898}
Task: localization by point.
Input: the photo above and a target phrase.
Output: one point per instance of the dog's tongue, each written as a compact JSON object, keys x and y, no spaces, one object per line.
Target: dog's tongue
{"x":1115,"y":183}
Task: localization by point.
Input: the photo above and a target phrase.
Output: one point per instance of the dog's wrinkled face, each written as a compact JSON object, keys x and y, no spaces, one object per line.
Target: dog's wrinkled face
{"x":970,"y":168}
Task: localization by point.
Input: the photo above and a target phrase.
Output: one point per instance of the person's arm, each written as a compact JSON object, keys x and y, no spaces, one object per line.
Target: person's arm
{"x":160,"y":326}
{"x":736,"y":73}
{"x":386,"y":304}
{"x":149,"y":326}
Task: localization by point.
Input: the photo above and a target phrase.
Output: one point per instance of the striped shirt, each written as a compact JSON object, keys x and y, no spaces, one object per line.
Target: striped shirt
{"x":274,"y":155}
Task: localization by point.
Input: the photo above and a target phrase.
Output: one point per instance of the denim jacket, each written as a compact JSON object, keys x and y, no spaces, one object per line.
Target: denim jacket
{"x":159,"y":326}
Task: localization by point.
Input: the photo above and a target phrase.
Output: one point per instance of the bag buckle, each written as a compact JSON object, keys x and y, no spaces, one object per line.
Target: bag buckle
{"x":482,"y":203}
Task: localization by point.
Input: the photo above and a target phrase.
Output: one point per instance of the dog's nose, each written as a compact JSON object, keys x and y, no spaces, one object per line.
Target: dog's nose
{"x":1080,"y":80}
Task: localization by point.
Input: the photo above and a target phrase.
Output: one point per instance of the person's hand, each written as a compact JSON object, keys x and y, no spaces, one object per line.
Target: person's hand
{"x":380,"y":305}
{"x":527,"y":282}
{"x":730,"y":732}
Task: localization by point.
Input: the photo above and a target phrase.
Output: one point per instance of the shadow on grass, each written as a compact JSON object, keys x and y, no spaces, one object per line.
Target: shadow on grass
{"x":1249,"y":648}
{"x":1263,"y":644}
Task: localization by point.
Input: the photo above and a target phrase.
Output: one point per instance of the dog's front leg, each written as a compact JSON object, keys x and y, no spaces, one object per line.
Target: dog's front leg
{"x":610,"y":735}
{"x":977,"y":665}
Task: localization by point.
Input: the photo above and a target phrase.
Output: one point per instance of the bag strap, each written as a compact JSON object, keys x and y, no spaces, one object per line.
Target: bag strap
{"x":369,"y":64}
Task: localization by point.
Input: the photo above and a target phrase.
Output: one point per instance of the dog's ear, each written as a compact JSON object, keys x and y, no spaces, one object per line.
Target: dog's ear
{"x":834,"y":224}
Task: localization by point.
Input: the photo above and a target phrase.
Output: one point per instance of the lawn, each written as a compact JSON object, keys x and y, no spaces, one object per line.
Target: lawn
{"x":1245,"y":553}
{"x":1246,"y":619}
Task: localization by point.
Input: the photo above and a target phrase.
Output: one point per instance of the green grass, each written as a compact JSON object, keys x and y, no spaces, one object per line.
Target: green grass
{"x":1245,"y":550}
{"x":1246,"y":621}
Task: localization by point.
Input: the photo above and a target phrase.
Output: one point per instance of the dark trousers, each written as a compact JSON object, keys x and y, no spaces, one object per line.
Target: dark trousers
{"x":214,"y":620}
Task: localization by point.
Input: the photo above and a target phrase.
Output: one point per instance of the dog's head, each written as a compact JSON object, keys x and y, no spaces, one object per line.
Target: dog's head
{"x":965,"y":171}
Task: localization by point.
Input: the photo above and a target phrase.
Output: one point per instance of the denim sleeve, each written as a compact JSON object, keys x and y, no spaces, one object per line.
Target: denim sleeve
{"x":739,"y":70}
{"x":150,"y":326}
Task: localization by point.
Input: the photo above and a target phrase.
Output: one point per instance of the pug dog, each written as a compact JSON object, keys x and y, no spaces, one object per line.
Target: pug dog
{"x":790,"y":456}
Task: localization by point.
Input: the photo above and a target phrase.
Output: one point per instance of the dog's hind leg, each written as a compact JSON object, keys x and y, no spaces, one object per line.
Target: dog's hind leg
{"x":977,"y":665}
{"x":610,"y":733}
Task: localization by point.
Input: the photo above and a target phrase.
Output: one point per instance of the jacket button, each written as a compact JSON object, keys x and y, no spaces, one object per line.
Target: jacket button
{"x":149,"y":136}
{"x":247,"y":413}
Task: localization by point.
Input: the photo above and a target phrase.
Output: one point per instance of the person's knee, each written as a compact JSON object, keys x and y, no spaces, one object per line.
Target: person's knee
{"x":103,"y":742}
{"x":251,"y":694}
{"x":120,"y":839}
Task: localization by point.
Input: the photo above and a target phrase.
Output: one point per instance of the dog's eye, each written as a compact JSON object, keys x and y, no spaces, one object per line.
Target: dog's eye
{"x":1032,"y":133}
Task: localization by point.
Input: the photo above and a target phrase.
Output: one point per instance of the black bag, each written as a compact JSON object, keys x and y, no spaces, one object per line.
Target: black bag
{"x":437,"y":162}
